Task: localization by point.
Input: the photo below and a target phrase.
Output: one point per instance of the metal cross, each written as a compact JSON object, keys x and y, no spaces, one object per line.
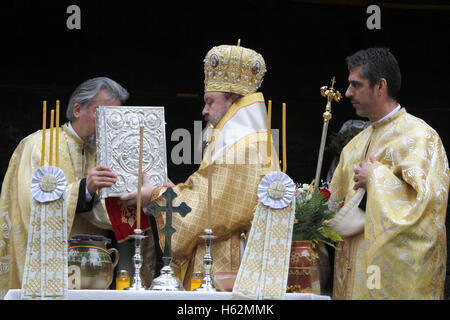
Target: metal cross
{"x":333,"y":81}
{"x":183,"y":209}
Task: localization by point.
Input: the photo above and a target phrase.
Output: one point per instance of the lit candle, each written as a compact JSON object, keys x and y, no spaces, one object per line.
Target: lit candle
{"x":138,"y":207}
{"x":210,"y":137}
{"x":269,"y":125}
{"x":52,"y":119}
{"x":284,"y":138}
{"x":44,"y":121}
{"x":57,"y":135}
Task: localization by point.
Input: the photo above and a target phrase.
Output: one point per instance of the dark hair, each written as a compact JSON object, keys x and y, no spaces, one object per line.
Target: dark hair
{"x":228,"y":95}
{"x":378,"y":63}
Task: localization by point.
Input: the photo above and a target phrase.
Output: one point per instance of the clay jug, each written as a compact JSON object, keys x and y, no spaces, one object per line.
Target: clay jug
{"x":303,"y":276}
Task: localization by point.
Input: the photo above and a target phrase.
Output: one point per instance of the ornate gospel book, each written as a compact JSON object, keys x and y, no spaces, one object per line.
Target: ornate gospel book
{"x":118,"y":141}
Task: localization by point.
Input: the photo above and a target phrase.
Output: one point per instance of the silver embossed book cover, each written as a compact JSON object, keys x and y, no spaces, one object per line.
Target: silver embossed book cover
{"x":117,"y":138}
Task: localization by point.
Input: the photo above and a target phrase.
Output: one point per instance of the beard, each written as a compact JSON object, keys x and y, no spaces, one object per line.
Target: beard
{"x":213,"y":120}
{"x":92,"y":140}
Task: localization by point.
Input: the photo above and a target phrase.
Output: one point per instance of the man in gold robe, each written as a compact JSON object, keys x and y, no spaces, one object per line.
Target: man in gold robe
{"x":395,"y":248}
{"x":236,"y":160}
{"x":77,"y":160}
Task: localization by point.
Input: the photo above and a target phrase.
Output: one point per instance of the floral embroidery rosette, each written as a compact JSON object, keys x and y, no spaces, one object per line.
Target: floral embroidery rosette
{"x":276,"y":190}
{"x":48,"y":184}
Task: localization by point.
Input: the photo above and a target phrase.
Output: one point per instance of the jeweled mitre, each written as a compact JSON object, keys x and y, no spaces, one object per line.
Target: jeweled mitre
{"x":233,"y":69}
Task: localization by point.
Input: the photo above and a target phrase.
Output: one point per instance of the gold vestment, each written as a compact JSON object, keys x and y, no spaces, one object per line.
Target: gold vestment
{"x":404,"y":236}
{"x":76,"y":160}
{"x":236,"y":174}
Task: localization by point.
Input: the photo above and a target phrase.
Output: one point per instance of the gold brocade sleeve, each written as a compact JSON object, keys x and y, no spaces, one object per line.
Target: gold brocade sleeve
{"x":405,"y":218}
{"x":404,"y":236}
{"x":234,"y":197}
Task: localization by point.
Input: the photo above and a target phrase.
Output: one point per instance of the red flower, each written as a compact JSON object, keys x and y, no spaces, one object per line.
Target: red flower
{"x":326,"y":193}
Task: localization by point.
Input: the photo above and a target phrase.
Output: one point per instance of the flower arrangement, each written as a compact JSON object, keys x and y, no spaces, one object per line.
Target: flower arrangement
{"x":313,"y":210}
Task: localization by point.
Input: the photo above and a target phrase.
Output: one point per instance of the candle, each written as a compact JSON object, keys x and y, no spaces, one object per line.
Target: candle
{"x":138,"y":208}
{"x":52,"y":119}
{"x":269,"y":125}
{"x":284,"y":138}
{"x":210,"y":134}
{"x":44,"y":121}
{"x":57,"y":135}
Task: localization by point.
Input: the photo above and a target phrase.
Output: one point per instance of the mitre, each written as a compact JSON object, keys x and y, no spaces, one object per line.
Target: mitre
{"x":233,"y":69}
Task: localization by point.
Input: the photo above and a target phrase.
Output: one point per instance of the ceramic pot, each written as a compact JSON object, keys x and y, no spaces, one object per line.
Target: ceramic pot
{"x":90,"y":264}
{"x":303,"y":276}
{"x":224,"y":280}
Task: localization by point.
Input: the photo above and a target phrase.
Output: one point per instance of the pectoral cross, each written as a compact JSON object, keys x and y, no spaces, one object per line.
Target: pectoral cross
{"x":183,"y":209}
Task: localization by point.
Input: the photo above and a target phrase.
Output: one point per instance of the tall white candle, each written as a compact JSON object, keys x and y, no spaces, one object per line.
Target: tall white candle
{"x":138,"y":207}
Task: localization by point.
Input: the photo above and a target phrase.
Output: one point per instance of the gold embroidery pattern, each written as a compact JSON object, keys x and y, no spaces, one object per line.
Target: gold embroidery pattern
{"x":266,"y":258}
{"x":45,"y":274}
{"x":404,"y":233}
{"x":48,"y":183}
{"x":15,"y":205}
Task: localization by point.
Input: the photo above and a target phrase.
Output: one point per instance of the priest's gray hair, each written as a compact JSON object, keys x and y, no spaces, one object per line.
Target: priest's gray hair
{"x":88,"y":90}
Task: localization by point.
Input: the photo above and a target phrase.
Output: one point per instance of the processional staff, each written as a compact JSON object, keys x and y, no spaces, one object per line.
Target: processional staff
{"x":331,"y":94}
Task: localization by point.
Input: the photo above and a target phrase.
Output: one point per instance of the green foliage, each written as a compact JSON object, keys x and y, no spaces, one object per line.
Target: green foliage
{"x":311,"y":217}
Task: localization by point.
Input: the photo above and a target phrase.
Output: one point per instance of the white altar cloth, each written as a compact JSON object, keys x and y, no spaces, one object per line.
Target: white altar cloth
{"x":14,"y":294}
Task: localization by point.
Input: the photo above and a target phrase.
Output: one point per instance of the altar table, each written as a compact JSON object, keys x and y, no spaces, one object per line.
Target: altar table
{"x":14,"y":294}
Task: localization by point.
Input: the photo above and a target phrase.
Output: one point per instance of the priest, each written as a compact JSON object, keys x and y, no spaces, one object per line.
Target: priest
{"x":396,"y":169}
{"x":77,"y":151}
{"x":236,"y":158}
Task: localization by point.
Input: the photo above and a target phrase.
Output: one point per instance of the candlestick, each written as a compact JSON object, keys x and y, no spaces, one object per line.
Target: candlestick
{"x":44,"y":123}
{"x":284,"y":138}
{"x":207,"y":282}
{"x":269,"y":128}
{"x":52,"y":119}
{"x":210,"y":134}
{"x":57,"y":135}
{"x":136,"y":283}
{"x":138,"y":208}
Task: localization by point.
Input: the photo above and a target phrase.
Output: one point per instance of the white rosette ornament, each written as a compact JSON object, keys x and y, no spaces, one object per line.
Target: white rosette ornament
{"x":264,"y":268}
{"x":48,"y":184}
{"x":276,"y":190}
